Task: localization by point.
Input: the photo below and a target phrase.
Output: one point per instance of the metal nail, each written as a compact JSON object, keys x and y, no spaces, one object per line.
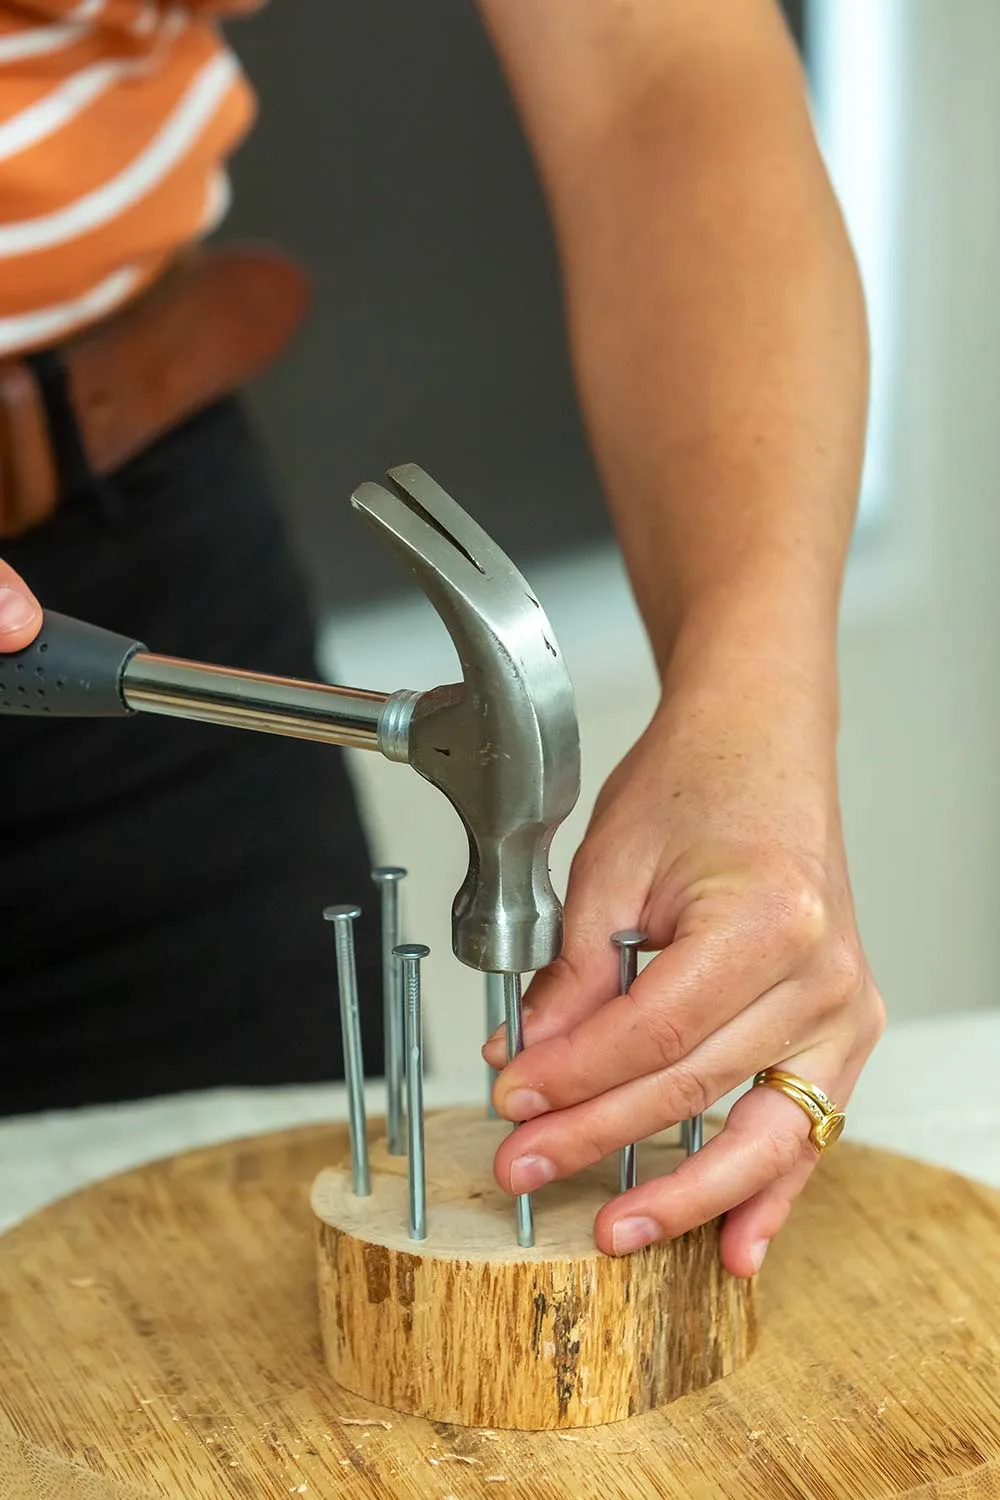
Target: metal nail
{"x":387,"y":878}
{"x":343,"y":919}
{"x":628,"y":942}
{"x":515,"y":1044}
{"x":410,"y":956}
{"x":691,"y":1135}
{"x":494,"y":1019}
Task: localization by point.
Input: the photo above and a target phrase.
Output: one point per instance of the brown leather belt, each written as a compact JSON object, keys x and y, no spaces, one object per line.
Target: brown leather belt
{"x":215,"y":320}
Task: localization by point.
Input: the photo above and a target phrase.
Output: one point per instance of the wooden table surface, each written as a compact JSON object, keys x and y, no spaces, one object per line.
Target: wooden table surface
{"x":158,"y":1337}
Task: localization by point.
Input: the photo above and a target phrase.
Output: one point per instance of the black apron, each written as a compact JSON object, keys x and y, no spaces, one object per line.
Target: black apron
{"x":162,"y":882}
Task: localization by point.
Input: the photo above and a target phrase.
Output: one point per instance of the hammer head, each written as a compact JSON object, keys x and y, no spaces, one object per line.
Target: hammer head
{"x":503,"y":745}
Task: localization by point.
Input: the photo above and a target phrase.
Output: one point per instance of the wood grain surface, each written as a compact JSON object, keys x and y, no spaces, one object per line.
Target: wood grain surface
{"x":159,"y":1337}
{"x":468,"y":1327}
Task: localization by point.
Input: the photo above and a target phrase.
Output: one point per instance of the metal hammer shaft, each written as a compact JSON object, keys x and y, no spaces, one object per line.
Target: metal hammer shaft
{"x":250,"y":700}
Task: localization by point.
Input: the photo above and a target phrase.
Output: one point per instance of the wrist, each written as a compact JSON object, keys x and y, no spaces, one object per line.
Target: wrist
{"x":760,"y":637}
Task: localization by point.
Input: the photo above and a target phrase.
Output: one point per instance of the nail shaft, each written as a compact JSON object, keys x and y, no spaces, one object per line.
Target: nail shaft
{"x":410,"y":955}
{"x":494,"y":1018}
{"x":515,"y":1044}
{"x":387,"y":878}
{"x":627,"y":1168}
{"x":628,"y":944}
{"x":343,"y":919}
{"x":694,"y":1135}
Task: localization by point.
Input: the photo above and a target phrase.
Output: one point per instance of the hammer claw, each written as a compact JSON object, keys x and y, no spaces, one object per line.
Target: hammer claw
{"x":431,"y":528}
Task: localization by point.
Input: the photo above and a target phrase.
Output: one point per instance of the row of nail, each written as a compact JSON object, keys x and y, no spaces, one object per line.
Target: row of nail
{"x":402,"y":1040}
{"x":403,"y":1043}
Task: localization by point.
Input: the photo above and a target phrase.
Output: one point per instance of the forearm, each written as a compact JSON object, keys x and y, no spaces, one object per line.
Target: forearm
{"x":717,"y":328}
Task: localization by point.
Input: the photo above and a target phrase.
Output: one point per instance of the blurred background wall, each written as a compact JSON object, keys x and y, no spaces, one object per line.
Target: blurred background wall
{"x":388,"y":156}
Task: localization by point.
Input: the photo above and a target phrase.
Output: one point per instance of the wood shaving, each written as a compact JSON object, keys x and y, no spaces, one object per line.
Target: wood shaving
{"x":453,"y":1458}
{"x":82,"y":1282}
{"x":365,"y":1422}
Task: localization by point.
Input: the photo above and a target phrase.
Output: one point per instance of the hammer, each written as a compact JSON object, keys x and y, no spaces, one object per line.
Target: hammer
{"x":502,"y":744}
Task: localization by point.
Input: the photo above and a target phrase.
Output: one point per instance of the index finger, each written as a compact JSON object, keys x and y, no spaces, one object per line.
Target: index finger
{"x":697,"y":984}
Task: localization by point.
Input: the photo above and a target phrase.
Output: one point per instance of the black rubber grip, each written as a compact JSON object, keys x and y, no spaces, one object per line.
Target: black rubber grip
{"x":70,"y":669}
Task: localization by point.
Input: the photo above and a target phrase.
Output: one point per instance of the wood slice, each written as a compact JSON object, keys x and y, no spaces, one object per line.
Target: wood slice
{"x":159,"y":1341}
{"x":467,"y":1327}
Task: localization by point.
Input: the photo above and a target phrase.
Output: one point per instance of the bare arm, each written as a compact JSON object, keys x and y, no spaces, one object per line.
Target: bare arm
{"x":714,"y":309}
{"x":718,"y":336}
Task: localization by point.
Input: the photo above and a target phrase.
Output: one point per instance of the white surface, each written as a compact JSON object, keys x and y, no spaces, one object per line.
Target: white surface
{"x":929,"y":1091}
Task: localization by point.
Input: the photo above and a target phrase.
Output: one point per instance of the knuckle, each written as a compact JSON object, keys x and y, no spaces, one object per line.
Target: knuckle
{"x":874,"y":1019}
{"x":879,"y":1013}
{"x":689,"y":1094}
{"x":664,"y":1036}
{"x":840,"y":979}
{"x":804,"y":919}
{"x":784,"y":1150}
{"x":794,"y":907}
{"x":845,"y":966}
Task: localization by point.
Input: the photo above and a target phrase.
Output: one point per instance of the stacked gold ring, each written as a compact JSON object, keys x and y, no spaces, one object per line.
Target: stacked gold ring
{"x":827,"y":1122}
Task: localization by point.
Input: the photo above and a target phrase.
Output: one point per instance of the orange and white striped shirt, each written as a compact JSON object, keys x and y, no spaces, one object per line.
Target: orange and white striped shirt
{"x":116,"y":119}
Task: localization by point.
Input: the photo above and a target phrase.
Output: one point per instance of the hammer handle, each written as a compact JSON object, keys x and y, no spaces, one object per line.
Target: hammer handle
{"x":76,"y":670}
{"x":71,"y":669}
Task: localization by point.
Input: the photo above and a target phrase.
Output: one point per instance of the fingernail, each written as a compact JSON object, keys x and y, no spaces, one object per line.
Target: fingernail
{"x":632,"y":1234}
{"x":757,"y":1252}
{"x":523,"y":1104}
{"x":530,"y":1172}
{"x":15,"y":611}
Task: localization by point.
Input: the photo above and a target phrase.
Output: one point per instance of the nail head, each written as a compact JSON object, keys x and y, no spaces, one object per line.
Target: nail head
{"x":341,"y":913}
{"x":411,"y":950}
{"x":385,"y":874}
{"x":629,"y":937}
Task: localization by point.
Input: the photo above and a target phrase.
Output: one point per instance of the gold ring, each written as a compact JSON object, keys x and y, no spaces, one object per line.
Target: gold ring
{"x":826,"y":1121}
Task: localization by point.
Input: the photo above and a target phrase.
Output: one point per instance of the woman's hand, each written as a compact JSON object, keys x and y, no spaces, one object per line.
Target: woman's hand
{"x":719,"y":836}
{"x":20,"y":611}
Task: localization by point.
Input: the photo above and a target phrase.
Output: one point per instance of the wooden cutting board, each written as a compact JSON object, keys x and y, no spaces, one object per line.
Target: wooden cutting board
{"x":158,"y":1337}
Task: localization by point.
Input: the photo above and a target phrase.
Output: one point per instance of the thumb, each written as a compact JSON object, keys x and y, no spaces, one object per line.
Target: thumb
{"x":20,"y":611}
{"x":586,"y":973}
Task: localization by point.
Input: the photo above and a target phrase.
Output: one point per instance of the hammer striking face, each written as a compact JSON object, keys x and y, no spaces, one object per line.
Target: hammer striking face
{"x":503,"y":744}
